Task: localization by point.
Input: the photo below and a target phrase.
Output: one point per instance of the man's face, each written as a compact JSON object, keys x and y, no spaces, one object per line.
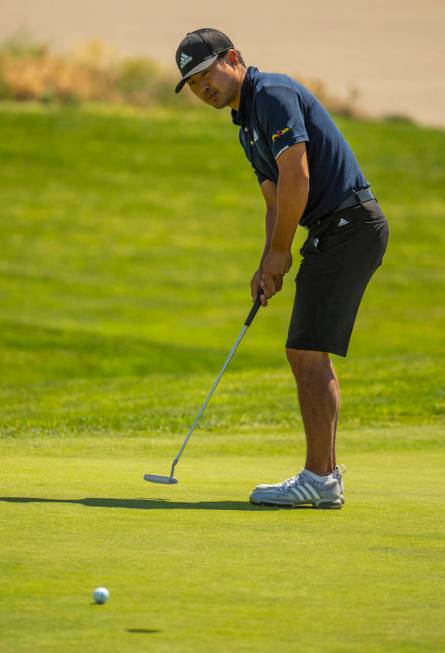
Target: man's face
{"x":218,"y":85}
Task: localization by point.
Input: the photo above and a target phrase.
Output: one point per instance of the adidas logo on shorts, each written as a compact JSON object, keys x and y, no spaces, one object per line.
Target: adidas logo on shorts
{"x":342,"y":222}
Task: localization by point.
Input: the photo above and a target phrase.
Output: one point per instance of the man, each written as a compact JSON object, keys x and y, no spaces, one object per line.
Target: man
{"x":308,"y":176}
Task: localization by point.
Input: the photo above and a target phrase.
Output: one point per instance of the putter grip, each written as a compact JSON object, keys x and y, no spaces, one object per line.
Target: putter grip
{"x":254,"y":309}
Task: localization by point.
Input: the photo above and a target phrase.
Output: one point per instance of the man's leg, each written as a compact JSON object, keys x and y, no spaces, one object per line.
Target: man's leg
{"x":318,"y":395}
{"x":334,"y":457}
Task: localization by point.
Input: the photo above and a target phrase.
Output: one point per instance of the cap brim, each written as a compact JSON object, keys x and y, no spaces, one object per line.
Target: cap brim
{"x":197,"y":69}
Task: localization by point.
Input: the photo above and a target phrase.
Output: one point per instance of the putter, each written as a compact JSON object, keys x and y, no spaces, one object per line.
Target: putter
{"x":170,"y":480}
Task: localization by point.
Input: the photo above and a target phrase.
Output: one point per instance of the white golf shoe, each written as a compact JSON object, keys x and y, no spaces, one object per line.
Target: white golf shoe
{"x":300,"y":490}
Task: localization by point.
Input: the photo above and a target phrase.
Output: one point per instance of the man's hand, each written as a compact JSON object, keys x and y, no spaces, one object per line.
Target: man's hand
{"x":275,"y":265}
{"x":255,"y":287}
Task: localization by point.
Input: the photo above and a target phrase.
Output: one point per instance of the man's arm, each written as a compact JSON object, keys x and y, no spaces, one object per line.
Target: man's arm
{"x":291,"y":199}
{"x":292,"y":195}
{"x":269,"y":190}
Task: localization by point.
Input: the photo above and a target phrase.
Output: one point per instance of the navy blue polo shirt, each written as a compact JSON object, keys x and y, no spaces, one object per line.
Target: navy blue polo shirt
{"x":276,"y":112}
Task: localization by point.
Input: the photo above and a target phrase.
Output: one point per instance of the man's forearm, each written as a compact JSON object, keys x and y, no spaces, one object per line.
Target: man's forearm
{"x":292,"y":196}
{"x":270,"y":224}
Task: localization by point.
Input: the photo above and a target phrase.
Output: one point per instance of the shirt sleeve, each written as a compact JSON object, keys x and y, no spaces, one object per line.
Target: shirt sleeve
{"x":281,"y":117}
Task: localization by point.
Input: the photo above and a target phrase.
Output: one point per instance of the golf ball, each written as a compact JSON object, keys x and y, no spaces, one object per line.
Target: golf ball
{"x":101,"y":595}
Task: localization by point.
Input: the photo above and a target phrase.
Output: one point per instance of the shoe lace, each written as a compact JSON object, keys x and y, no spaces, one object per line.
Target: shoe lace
{"x":292,"y":481}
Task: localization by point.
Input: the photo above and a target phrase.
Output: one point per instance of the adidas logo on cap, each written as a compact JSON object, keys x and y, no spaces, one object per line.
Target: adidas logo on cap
{"x":185,"y":59}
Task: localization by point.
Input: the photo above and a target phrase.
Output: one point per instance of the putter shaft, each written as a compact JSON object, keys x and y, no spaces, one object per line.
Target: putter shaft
{"x":253,"y":312}
{"x":247,"y":323}
{"x":204,"y":405}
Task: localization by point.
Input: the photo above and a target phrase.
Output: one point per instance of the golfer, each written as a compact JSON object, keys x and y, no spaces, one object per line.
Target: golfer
{"x":308,"y":176}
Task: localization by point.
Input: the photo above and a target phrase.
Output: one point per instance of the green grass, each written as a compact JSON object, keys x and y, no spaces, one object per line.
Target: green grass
{"x":127,"y":244}
{"x":205,"y":571}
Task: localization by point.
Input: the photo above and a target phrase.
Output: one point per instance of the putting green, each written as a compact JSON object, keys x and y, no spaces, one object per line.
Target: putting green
{"x":195,"y":567}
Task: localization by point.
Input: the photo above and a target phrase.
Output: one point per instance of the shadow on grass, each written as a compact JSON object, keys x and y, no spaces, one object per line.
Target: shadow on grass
{"x":131,"y":355}
{"x":153,"y":504}
{"x":143,"y":631}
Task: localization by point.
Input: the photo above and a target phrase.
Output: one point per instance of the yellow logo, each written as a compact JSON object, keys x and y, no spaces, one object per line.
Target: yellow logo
{"x":279,"y":133}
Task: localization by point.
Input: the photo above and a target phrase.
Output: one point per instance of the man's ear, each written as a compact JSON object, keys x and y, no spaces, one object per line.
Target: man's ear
{"x":232,"y":58}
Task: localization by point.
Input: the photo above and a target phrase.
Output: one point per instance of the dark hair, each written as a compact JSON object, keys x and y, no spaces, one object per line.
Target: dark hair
{"x":222,"y":55}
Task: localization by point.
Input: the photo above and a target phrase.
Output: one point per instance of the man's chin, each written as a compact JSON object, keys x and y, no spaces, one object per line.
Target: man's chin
{"x":219,"y":102}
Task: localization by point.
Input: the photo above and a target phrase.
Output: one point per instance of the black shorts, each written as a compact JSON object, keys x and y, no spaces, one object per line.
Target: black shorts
{"x":339,"y":258}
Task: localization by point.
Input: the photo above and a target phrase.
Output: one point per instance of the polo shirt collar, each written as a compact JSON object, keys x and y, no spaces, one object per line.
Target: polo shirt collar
{"x":241,"y":116}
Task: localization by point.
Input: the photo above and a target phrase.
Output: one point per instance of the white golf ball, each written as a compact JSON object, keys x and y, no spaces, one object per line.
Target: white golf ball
{"x":101,"y":595}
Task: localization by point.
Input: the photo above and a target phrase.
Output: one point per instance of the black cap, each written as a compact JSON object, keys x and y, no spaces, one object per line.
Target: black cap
{"x":198,"y":50}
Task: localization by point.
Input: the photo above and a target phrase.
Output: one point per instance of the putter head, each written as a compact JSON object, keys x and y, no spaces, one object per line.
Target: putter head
{"x":166,"y":480}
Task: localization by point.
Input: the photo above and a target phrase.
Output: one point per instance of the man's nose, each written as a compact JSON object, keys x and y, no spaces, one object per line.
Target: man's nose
{"x":203,"y":85}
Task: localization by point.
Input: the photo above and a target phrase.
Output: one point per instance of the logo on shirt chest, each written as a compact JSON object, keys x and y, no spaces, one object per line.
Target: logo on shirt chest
{"x":255,"y":138}
{"x":279,"y":133}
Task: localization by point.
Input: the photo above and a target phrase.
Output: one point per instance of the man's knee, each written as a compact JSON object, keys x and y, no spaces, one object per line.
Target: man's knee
{"x":304,"y":362}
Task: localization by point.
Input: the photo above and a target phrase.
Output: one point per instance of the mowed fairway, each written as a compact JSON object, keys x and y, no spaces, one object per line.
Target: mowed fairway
{"x":127,"y":244}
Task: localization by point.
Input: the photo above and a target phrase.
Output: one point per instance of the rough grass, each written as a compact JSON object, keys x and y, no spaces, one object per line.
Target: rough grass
{"x":128,"y":242}
{"x":33,"y":71}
